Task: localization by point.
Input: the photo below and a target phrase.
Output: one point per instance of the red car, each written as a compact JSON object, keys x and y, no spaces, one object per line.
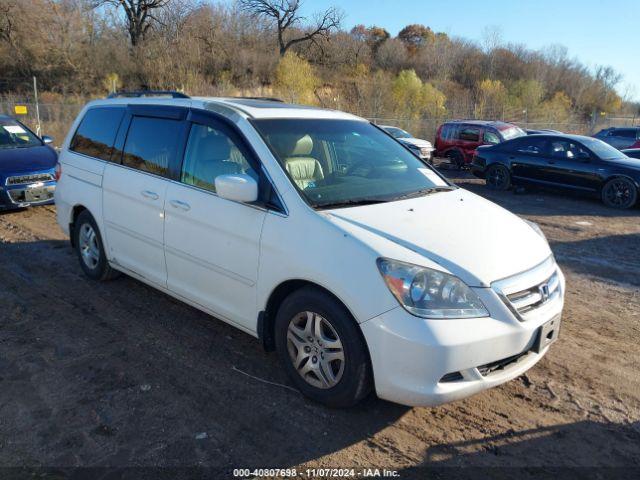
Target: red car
{"x":458,"y":139}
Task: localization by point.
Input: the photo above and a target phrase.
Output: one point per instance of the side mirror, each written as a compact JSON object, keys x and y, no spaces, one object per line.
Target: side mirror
{"x":237,"y":187}
{"x":47,"y":139}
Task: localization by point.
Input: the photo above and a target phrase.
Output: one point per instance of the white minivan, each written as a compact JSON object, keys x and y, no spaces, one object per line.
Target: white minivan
{"x":316,"y":232}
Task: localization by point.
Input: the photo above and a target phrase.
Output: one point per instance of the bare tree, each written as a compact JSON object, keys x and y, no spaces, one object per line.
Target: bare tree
{"x":140,"y":15}
{"x":287,"y":18}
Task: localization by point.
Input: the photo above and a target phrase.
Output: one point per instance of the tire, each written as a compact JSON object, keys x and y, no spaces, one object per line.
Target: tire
{"x":90,"y":249}
{"x":341,"y":382}
{"x":456,"y":158}
{"x":498,"y":177}
{"x":619,"y":192}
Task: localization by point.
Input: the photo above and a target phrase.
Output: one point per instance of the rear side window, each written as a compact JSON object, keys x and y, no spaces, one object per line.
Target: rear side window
{"x":449,"y":132}
{"x":97,"y":131}
{"x":469,"y":134}
{"x":151,"y":144}
{"x":530,"y":146}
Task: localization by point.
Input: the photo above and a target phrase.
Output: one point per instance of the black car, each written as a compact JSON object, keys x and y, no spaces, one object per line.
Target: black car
{"x":632,"y":152}
{"x":541,"y":131}
{"x":575,"y":162}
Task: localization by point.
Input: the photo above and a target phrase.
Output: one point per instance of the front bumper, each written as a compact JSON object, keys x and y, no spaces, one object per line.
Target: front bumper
{"x":425,"y":153}
{"x":477,"y":167}
{"x":26,"y":195}
{"x":422,"y":362}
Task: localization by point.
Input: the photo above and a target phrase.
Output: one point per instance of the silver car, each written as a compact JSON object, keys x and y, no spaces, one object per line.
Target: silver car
{"x":421,"y":148}
{"x":620,"y":138}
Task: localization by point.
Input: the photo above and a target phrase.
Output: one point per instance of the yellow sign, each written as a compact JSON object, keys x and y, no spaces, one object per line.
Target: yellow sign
{"x":20,"y":109}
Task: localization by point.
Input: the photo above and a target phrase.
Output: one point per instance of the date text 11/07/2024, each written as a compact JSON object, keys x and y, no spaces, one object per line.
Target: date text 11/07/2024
{"x":317,"y":473}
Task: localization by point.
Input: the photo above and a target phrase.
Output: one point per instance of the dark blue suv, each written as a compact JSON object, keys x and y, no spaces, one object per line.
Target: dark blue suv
{"x":27,"y":166}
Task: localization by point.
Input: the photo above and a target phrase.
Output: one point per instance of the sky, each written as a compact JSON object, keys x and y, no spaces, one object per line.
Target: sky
{"x":596,"y":32}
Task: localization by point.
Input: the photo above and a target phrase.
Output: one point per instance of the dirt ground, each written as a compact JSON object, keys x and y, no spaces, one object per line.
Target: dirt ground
{"x":117,"y":374}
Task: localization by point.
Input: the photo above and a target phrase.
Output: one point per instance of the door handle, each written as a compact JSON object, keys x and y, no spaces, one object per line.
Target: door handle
{"x":181,"y":205}
{"x":150,"y":194}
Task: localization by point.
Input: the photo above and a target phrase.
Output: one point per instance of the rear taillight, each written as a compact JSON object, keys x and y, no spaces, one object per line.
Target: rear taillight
{"x":58,"y":173}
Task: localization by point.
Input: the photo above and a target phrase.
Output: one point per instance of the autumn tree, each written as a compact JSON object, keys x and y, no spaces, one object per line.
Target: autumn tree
{"x":290,"y":24}
{"x":414,"y":99}
{"x":416,"y":35}
{"x":296,"y":80}
{"x":527,"y":94}
{"x":140,"y":15}
{"x":557,"y":109}
{"x":373,"y":36}
{"x":491,"y":99}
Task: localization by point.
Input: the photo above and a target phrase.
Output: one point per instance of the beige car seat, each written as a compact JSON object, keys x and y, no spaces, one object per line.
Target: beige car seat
{"x":304,"y":169}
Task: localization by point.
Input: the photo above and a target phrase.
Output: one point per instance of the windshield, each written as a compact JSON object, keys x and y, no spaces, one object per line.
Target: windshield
{"x":602,"y":150}
{"x":346,"y":162}
{"x":15,"y":135}
{"x":398,"y":132}
{"x":512,"y":132}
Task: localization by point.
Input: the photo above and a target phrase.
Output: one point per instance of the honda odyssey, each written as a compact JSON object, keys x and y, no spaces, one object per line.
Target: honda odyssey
{"x":317,"y":233}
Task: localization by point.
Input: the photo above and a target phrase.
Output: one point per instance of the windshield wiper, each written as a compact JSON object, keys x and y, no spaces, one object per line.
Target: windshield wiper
{"x":350,"y":203}
{"x":425,"y":191}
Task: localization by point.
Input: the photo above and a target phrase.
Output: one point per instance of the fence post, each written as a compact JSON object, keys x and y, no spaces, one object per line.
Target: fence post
{"x":35,"y":92}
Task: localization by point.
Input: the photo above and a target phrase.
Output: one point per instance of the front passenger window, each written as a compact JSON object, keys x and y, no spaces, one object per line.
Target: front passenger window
{"x":209,"y":154}
{"x":491,"y":138}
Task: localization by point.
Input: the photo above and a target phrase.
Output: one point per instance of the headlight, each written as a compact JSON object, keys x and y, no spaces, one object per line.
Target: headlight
{"x":536,"y":228}
{"x":429,"y":293}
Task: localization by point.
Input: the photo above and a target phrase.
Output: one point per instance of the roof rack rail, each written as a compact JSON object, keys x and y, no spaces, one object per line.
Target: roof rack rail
{"x":148,"y":93}
{"x":266,"y":99}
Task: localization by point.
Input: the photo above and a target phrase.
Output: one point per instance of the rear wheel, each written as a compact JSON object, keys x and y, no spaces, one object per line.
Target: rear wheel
{"x":322,"y":349}
{"x":456,"y":158}
{"x":498,"y":177}
{"x":90,"y":248}
{"x":619,"y":193}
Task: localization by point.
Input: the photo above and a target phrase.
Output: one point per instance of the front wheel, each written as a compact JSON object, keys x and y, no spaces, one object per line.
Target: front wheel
{"x":322,"y":349}
{"x":619,"y":193}
{"x":498,"y":177}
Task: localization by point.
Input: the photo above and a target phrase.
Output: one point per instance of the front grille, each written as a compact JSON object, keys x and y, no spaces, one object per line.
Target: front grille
{"x":534,"y":297}
{"x":532,"y":293}
{"x":25,"y":179}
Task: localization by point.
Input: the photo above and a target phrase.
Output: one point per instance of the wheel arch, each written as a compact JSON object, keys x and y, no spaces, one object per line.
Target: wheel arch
{"x":266,"y":317}
{"x":75,"y":213}
{"x":620,"y":175}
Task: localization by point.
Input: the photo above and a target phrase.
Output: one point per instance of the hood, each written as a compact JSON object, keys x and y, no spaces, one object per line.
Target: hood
{"x":417,"y":142}
{"x":469,"y":236}
{"x":629,"y":162}
{"x":25,"y":160}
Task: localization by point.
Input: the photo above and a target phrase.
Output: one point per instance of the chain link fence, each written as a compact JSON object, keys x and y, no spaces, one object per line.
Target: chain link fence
{"x":56,"y":119}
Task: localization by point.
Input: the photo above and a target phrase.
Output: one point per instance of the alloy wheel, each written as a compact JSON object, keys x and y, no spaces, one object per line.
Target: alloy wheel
{"x":497,"y":178}
{"x":315,"y":350}
{"x":88,"y":244}
{"x":619,"y":194}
